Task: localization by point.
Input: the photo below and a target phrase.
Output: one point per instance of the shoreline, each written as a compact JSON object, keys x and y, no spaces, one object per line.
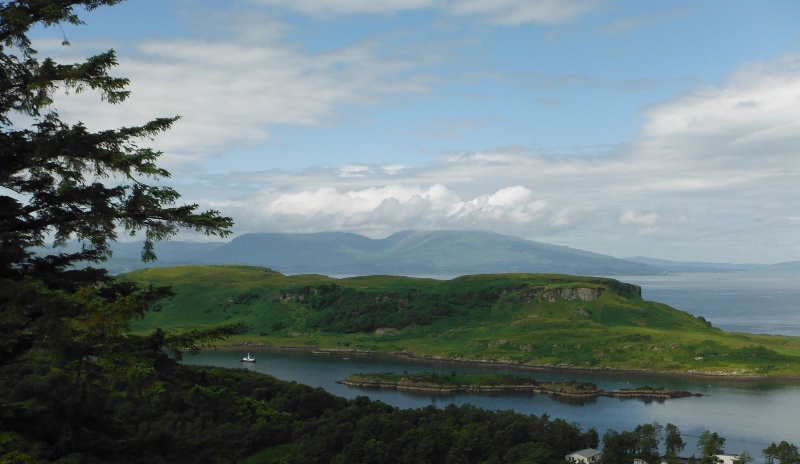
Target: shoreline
{"x":546,"y":388}
{"x":514,"y":364}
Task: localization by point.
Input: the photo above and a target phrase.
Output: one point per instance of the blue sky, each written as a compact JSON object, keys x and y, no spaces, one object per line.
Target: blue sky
{"x":666,"y":129}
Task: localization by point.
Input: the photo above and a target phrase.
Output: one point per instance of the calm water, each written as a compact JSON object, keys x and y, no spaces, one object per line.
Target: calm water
{"x":751,"y":415}
{"x":754,"y":302}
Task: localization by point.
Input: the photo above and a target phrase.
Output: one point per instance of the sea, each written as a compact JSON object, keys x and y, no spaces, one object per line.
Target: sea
{"x":749,"y":414}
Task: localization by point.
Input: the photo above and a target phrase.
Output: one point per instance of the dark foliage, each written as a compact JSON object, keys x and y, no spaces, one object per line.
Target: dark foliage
{"x":371,"y":432}
{"x":65,"y":346}
{"x":204,"y":414}
{"x":346,"y":310}
{"x":245,"y":298}
{"x":782,"y":453}
{"x":64,"y":181}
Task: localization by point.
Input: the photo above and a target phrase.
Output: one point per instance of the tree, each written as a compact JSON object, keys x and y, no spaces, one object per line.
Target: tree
{"x":618,"y":447}
{"x":590,"y":438}
{"x":648,"y":437}
{"x":65,"y":181}
{"x":709,"y":445}
{"x":744,"y":458}
{"x":787,"y":453}
{"x":673,"y":443}
{"x":62,"y":181}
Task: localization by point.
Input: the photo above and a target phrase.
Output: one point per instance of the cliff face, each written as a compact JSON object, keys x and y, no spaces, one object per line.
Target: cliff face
{"x":543,"y":294}
{"x":631,"y":288}
{"x":576,"y":293}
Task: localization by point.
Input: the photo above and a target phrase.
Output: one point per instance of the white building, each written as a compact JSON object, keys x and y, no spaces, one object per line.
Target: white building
{"x":584,"y":456}
{"x":727,"y":458}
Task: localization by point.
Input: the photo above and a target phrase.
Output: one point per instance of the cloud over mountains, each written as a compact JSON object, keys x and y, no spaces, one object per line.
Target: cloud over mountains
{"x":705,"y":165}
{"x":710,"y":169}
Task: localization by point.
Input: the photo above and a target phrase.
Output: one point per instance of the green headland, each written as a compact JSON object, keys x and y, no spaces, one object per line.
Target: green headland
{"x":544,"y":320}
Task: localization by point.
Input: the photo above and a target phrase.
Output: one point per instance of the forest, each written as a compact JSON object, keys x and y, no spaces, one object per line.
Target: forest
{"x":347,"y":310}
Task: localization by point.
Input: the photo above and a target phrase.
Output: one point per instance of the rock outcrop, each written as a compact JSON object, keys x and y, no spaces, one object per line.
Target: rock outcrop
{"x":551,"y":295}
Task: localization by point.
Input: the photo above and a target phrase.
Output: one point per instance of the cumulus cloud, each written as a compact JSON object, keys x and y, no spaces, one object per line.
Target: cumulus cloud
{"x":716,"y":168}
{"x":382,"y":210}
{"x":507,"y":12}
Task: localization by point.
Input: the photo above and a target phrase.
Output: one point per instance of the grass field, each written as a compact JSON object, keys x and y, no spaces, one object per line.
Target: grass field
{"x":531,"y":319}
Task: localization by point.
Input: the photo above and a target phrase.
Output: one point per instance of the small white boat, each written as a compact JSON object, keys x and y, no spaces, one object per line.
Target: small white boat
{"x":248,"y":359}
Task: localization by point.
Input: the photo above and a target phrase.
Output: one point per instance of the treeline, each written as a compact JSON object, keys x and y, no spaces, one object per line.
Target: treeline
{"x":196,"y":414}
{"x":346,"y":310}
{"x":214,"y":415}
{"x":643,"y":443}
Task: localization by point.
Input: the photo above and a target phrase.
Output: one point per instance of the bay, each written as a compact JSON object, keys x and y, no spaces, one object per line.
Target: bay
{"x":743,"y":301}
{"x":749,"y":414}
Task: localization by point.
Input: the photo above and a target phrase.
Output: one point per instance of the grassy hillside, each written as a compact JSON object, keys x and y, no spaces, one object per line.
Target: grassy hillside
{"x":537,"y":319}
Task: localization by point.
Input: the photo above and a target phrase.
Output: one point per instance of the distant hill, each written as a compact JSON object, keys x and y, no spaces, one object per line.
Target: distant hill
{"x":415,"y":252}
{"x":403,"y":253}
{"x":418,"y":253}
{"x":698,"y":266}
{"x":786,"y":266}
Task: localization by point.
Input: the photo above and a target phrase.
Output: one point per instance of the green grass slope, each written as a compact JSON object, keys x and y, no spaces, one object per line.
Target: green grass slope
{"x":536,"y":319}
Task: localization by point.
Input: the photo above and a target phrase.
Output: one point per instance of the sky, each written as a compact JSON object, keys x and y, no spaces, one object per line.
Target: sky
{"x":665,"y":129}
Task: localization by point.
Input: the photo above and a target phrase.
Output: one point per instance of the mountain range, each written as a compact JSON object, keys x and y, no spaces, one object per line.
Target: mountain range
{"x":431,"y":253}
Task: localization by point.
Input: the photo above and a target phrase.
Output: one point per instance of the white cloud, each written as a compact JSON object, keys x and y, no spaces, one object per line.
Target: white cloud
{"x":394,"y":168}
{"x":706,"y":174}
{"x":353,"y":171}
{"x":381,"y":210}
{"x":506,"y":12}
{"x":713,"y":169}
{"x":230,"y":91}
{"x":321,"y":7}
{"x":510,"y":12}
{"x":758,"y":102}
{"x":632,"y":217}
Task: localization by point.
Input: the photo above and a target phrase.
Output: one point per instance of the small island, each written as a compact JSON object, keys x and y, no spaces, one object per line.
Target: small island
{"x":490,"y":383}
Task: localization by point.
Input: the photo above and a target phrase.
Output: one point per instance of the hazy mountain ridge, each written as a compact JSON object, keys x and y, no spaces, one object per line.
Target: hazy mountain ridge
{"x":695,"y":266}
{"x":702,"y":266}
{"x":407,"y":252}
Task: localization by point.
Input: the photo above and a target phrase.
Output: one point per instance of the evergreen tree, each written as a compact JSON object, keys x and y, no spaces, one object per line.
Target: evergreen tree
{"x":710,"y":445}
{"x":744,"y":458}
{"x":673,"y":443}
{"x":64,"y":323}
{"x":648,"y":437}
{"x":591,"y":439}
{"x":618,"y":447}
{"x":787,"y":453}
{"x":769,"y":453}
